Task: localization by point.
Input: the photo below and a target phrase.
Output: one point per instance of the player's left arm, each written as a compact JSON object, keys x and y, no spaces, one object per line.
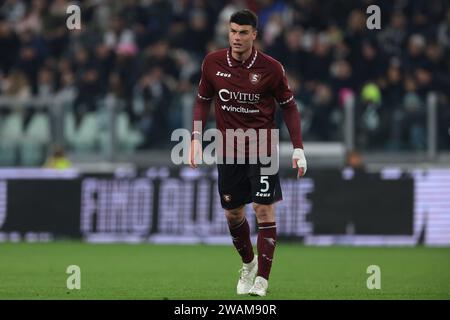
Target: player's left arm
{"x":285,"y":98}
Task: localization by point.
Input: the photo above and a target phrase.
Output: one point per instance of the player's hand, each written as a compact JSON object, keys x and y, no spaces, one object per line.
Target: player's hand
{"x":299,"y":161}
{"x":195,"y":153}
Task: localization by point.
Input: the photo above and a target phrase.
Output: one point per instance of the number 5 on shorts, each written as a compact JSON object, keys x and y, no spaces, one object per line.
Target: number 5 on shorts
{"x":264,"y":180}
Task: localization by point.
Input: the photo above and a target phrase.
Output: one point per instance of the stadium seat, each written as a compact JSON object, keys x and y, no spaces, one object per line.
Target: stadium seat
{"x":11,"y":128}
{"x":35,"y":141}
{"x":81,"y":139}
{"x":127,"y":138}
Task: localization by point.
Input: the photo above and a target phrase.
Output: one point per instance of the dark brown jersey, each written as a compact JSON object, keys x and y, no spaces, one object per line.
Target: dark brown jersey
{"x":246,"y":93}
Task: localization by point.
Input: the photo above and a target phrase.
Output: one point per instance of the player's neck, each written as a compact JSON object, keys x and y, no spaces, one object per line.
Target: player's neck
{"x":242,"y":56}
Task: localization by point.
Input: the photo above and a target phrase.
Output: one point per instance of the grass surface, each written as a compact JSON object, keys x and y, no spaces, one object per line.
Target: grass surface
{"x":145,"y":271}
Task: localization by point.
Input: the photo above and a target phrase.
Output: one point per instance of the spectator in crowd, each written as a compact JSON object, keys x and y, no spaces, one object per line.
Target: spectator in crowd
{"x":355,"y":160}
{"x":323,"y":104}
{"x":10,"y":40}
{"x":58,"y":159}
{"x":156,"y":98}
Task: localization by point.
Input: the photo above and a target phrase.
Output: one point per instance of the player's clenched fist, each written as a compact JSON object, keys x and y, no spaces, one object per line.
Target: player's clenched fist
{"x":299,"y":161}
{"x":195,"y":153}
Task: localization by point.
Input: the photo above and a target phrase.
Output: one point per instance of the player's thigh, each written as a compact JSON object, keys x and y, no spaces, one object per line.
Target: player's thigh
{"x":234,"y":185}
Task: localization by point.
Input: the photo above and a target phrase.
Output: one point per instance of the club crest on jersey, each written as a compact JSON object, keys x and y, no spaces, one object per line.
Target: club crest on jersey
{"x":254,"y":77}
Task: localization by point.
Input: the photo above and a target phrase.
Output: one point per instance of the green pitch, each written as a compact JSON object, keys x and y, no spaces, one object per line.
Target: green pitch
{"x":38,"y":271}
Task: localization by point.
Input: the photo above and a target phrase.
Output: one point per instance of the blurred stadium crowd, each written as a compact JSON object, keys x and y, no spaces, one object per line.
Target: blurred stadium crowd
{"x":147,"y":54}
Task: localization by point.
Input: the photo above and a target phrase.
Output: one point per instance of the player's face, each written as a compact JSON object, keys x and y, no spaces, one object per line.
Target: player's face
{"x":241,"y":37}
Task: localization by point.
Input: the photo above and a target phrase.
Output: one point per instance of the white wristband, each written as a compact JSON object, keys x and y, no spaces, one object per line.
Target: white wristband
{"x":299,"y":155}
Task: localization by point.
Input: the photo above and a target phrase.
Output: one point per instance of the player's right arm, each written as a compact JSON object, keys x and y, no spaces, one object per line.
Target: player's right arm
{"x":202,"y":105}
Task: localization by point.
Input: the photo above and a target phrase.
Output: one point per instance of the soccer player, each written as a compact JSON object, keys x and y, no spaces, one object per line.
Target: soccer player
{"x":246,"y":84}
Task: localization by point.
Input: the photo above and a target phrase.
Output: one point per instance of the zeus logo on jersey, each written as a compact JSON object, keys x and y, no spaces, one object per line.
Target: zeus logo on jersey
{"x":241,"y":97}
{"x":222,"y":74}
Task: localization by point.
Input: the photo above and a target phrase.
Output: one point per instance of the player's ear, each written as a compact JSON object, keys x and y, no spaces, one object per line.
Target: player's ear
{"x":254,"y":33}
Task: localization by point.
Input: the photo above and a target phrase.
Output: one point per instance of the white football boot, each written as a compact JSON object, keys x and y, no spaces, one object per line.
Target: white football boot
{"x":248,"y":274}
{"x":259,"y":288}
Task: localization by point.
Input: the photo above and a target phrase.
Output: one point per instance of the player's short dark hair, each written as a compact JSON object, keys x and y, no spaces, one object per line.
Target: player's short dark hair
{"x":245,"y":17}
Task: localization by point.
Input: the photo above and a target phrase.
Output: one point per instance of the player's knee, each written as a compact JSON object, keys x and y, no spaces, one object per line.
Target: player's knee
{"x":234,"y":215}
{"x":263,"y":212}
